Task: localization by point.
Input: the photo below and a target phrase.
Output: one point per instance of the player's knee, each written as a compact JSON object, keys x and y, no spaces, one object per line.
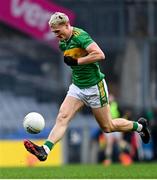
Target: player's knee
{"x":107,"y":128}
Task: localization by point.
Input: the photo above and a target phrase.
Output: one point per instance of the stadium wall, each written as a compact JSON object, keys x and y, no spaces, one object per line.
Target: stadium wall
{"x":13,"y":153}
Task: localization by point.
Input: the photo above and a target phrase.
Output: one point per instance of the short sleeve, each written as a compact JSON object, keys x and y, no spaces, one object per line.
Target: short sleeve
{"x":85,"y":40}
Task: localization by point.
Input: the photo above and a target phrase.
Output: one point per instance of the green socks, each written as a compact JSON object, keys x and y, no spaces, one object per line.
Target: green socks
{"x":48,"y":145}
{"x":137,"y":127}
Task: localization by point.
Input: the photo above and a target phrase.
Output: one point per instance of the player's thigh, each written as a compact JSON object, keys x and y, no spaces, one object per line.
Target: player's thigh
{"x":103,"y":116}
{"x":69,"y":107}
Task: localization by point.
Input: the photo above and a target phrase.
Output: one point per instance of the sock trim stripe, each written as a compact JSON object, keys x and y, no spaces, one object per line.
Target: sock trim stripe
{"x":49,"y":144}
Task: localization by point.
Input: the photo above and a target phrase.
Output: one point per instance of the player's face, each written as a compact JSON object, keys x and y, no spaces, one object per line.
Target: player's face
{"x":62,"y":32}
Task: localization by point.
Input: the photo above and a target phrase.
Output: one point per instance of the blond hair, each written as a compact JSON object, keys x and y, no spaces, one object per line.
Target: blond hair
{"x":58,"y":18}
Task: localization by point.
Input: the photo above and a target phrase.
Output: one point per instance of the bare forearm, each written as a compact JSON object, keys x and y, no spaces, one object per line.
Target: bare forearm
{"x":90,"y":58}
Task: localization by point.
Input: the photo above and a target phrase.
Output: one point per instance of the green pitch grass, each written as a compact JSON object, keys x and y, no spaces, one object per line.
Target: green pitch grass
{"x":138,"y":171}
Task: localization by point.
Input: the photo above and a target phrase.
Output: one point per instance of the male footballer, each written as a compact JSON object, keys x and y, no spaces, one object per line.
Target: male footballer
{"x":88,"y":87}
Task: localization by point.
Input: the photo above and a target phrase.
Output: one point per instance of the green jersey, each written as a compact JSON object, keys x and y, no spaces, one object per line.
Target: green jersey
{"x":85,"y":75}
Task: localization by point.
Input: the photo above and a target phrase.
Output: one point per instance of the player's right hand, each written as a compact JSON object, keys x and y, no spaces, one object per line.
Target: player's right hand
{"x":70,"y":61}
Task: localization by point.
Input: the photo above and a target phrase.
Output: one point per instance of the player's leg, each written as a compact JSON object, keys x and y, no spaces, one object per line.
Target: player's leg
{"x":67,"y":110}
{"x":108,"y":124}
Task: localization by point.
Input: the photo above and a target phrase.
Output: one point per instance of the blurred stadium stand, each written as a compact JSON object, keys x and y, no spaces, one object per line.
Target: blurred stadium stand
{"x":13,"y":110}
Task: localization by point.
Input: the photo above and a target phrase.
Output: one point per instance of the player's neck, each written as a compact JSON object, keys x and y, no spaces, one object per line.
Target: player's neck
{"x":70,"y":34}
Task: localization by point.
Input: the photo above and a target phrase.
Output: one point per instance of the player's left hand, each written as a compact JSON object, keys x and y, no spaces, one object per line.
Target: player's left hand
{"x":70,"y":61}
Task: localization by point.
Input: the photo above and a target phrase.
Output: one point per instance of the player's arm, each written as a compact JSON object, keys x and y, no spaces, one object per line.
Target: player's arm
{"x":94,"y":54}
